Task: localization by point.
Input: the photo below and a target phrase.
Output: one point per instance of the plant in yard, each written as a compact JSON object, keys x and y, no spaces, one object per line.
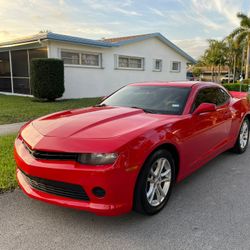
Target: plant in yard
{"x":47,"y":78}
{"x":242,"y":34}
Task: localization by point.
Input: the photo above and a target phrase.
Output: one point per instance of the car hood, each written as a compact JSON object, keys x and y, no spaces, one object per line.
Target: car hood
{"x":97,"y":122}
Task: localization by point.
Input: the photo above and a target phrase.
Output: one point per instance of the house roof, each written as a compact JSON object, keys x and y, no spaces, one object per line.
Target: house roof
{"x":123,"y":38}
{"x":131,"y":39}
{"x":107,"y":43}
{"x":57,"y":37}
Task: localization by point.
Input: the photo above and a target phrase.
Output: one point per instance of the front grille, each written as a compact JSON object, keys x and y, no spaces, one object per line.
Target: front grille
{"x":55,"y":187}
{"x":51,"y":155}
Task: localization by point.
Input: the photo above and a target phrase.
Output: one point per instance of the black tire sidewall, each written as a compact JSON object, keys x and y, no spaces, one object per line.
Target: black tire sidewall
{"x":141,"y":203}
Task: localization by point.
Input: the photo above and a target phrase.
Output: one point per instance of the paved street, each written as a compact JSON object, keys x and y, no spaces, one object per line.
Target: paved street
{"x":208,"y":210}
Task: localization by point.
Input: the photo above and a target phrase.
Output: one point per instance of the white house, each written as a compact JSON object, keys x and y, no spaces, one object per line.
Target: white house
{"x":93,"y":67}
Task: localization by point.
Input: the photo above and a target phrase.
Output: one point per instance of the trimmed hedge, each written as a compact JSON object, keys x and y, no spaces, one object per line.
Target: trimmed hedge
{"x":236,"y":87}
{"x":47,"y":78}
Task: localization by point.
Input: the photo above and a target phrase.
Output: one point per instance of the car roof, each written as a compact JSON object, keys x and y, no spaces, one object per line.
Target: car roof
{"x":181,"y":84}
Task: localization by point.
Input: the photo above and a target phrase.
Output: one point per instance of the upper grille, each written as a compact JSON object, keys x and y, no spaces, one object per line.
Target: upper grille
{"x":51,"y":155}
{"x":55,"y":187}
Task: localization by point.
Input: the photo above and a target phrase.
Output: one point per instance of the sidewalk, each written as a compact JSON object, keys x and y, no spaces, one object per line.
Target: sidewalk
{"x":10,"y":128}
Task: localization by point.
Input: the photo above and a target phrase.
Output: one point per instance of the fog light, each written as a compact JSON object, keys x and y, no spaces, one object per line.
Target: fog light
{"x":98,"y":192}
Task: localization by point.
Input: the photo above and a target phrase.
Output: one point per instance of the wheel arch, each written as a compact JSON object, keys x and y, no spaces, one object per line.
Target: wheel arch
{"x":172,"y":149}
{"x":248,"y":117}
{"x":175,"y":153}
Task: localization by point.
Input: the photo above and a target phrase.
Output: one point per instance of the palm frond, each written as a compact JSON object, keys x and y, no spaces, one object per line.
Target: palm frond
{"x":241,"y":15}
{"x":244,"y":20}
{"x":236,"y":32}
{"x":242,"y":37}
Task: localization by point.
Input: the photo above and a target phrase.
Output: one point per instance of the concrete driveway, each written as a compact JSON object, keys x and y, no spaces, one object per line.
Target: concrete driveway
{"x":208,"y":210}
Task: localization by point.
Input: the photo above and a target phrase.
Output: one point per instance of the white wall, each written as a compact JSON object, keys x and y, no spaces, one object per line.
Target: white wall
{"x":92,"y":82}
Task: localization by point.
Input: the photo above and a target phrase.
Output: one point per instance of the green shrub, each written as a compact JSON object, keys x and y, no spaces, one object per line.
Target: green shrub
{"x":47,"y":78}
{"x":236,"y":87}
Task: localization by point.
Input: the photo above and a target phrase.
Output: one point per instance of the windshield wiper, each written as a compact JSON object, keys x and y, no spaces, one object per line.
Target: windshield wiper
{"x":100,"y":105}
{"x":145,"y":110}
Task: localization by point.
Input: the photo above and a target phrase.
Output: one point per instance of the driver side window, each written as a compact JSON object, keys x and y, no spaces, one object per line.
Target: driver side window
{"x":206,"y":95}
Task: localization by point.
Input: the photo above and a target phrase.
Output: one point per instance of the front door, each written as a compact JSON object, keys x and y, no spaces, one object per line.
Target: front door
{"x":206,"y":133}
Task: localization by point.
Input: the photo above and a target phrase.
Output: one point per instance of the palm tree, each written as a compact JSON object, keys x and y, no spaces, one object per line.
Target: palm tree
{"x":241,"y":34}
{"x":234,"y":54}
{"x":215,"y":55}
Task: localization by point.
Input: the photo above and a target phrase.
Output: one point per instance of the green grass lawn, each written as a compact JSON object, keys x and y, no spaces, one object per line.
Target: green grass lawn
{"x":19,"y":109}
{"x":7,"y":163}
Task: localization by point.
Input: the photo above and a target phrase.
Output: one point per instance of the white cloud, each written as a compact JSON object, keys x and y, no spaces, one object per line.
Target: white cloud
{"x":107,"y":18}
{"x":194,"y":47}
{"x":57,"y":16}
{"x":213,"y":14}
{"x":127,"y":12}
{"x":157,"y":12}
{"x":225,"y":8}
{"x":113,"y":6}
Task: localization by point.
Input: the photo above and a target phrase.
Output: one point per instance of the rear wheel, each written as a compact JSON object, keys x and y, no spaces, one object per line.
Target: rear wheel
{"x":154,"y":183}
{"x":243,"y":138}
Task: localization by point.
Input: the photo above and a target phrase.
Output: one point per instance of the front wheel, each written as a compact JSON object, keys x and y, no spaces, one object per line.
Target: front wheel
{"x":154,"y":183}
{"x":243,"y":138}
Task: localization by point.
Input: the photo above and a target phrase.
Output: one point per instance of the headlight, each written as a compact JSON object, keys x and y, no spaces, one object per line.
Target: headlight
{"x":97,"y":158}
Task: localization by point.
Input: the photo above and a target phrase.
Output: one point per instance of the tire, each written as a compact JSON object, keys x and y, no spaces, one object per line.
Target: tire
{"x":243,"y":138}
{"x":152,"y":190}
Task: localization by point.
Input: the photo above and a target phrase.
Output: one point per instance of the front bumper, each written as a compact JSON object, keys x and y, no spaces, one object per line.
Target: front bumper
{"x":117,"y":182}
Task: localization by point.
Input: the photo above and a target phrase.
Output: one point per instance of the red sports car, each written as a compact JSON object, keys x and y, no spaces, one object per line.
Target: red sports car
{"x":129,"y":150}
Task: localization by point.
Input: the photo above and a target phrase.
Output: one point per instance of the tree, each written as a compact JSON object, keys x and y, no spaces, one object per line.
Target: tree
{"x":242,"y":34}
{"x":197,"y":71}
{"x":215,"y":55}
{"x":234,"y":55}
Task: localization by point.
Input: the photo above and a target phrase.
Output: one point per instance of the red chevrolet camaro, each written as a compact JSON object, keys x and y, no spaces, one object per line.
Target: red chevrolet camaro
{"x":129,"y":150}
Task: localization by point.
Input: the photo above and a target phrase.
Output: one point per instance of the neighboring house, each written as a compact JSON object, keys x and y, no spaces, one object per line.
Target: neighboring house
{"x":212,"y":73}
{"x":93,"y":67}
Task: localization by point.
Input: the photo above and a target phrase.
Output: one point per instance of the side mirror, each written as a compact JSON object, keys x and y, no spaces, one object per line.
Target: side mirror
{"x":204,"y":108}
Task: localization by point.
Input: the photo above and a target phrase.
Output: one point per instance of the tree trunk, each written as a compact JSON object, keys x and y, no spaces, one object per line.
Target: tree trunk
{"x":247,"y":61}
{"x":219,"y":73}
{"x":234,"y":67}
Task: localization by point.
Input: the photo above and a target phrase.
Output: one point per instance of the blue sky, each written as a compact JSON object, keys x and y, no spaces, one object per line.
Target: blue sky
{"x":188,"y":23}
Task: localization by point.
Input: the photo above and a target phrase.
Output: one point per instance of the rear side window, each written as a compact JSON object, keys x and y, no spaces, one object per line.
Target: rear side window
{"x":222,"y":97}
{"x":216,"y":96}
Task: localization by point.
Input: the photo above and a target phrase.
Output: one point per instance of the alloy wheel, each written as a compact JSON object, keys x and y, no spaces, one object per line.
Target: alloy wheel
{"x":158,"y":181}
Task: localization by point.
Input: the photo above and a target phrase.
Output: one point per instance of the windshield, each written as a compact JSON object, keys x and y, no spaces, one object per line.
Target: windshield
{"x":153,"y":99}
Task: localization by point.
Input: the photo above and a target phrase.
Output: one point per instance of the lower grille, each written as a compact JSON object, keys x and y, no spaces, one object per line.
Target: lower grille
{"x":55,"y":187}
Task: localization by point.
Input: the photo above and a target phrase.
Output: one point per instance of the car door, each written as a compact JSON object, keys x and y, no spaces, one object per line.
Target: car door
{"x":206,"y":133}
